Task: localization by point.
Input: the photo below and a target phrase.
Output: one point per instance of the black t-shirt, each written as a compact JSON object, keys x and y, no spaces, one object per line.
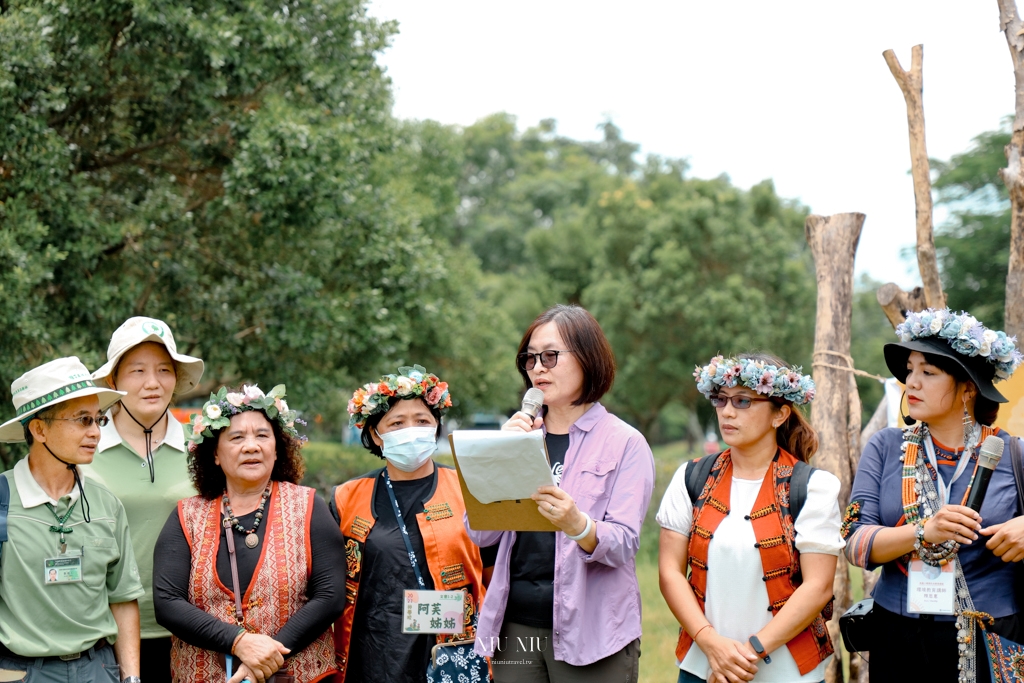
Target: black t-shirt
{"x":531,"y":597}
{"x":379,"y":651}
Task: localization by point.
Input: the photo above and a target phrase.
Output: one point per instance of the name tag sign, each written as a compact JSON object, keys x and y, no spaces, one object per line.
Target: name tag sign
{"x":63,"y":569}
{"x":930,"y":590}
{"x":432,"y":611}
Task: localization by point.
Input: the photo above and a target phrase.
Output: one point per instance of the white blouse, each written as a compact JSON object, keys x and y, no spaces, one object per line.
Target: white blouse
{"x":737,"y":598}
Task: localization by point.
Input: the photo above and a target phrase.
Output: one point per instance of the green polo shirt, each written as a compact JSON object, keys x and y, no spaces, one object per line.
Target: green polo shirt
{"x":148,"y":504}
{"x":41,"y":619}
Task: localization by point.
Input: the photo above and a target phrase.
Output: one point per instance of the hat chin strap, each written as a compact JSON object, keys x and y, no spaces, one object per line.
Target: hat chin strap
{"x":148,"y":431}
{"x":78,"y":482}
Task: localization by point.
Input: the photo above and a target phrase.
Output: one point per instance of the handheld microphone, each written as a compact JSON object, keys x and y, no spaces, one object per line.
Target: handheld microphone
{"x":988,"y":458}
{"x":533,"y":401}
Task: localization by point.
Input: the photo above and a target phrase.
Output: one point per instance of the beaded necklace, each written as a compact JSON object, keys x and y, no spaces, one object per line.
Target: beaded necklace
{"x":251,"y":539}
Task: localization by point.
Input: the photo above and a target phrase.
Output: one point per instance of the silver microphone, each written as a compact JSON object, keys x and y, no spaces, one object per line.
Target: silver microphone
{"x":533,"y":401}
{"x":988,"y":459}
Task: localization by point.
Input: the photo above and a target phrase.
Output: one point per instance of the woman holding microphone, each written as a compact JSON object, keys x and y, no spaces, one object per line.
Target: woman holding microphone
{"x":573,"y":592}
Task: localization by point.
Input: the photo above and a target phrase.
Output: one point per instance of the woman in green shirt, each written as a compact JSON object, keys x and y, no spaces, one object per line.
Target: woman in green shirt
{"x":142,"y":454}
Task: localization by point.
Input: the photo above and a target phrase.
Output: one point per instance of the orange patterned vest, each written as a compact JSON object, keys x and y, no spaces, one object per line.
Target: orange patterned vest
{"x":773,"y":528}
{"x":277,"y":589}
{"x":453,"y":560}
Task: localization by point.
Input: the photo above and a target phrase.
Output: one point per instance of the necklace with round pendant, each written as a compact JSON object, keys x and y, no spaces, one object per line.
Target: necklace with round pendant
{"x":251,"y":539}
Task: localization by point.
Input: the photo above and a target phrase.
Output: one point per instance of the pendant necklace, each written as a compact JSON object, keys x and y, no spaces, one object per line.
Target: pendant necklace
{"x":251,"y":539}
{"x":59,"y":527}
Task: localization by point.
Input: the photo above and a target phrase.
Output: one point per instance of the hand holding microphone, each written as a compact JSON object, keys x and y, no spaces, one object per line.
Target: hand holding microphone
{"x":526,"y":419}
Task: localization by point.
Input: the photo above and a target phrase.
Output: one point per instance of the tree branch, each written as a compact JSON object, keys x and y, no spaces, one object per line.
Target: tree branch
{"x":895,"y":302}
{"x":912,"y":84}
{"x":127,"y":155}
{"x":1013,"y":174}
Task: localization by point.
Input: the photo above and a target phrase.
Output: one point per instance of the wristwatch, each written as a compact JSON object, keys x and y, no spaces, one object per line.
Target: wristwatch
{"x":759,"y":649}
{"x":131,"y":679}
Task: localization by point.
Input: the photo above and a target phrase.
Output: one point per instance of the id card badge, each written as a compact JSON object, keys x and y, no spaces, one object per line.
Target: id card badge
{"x":432,"y":611}
{"x":65,"y":568}
{"x":930,"y":589}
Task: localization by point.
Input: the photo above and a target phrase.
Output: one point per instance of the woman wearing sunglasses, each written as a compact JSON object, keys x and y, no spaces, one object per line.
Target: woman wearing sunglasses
{"x":749,"y":580}
{"x":565,"y":605}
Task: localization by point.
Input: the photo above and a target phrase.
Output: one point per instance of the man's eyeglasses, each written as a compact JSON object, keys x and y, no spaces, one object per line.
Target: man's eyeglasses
{"x":85,"y":421}
{"x":528,"y":361}
{"x":738,"y":402}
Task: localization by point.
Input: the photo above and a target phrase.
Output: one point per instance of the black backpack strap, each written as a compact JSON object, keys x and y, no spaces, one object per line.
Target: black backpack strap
{"x":798,"y":487}
{"x":697,"y":472}
{"x":5,"y":504}
{"x":1017,"y":460}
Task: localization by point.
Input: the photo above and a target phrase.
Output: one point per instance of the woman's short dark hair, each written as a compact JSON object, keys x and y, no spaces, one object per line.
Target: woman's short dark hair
{"x":371,"y":423}
{"x":584,"y":337}
{"x":209,"y":479}
{"x":985,"y":409}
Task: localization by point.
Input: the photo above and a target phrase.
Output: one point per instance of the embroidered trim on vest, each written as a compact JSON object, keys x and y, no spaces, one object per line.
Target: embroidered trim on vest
{"x":777,"y":605}
{"x":702,"y":532}
{"x":763,"y":512}
{"x":718,"y":505}
{"x":361,"y":527}
{"x":699,"y":564}
{"x":453,"y":573}
{"x":775,"y":573}
{"x":438,"y":511}
{"x":770,"y":542}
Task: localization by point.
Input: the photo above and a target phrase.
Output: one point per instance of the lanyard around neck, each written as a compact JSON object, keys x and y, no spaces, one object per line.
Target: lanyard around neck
{"x":961,"y":466}
{"x":405,"y":532}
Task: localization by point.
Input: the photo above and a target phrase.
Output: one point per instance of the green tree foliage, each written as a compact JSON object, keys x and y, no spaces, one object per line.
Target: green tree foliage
{"x":974,"y":243}
{"x":676,"y":269}
{"x":231,"y":167}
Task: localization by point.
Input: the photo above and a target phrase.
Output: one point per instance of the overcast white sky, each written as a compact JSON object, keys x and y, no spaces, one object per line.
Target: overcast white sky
{"x":793,"y":91}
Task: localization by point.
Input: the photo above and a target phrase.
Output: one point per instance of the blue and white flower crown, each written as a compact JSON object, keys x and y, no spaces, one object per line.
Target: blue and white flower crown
{"x":764,"y":378}
{"x":965,"y":335}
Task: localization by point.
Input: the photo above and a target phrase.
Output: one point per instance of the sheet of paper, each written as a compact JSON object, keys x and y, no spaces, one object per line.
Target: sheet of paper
{"x":502,"y":465}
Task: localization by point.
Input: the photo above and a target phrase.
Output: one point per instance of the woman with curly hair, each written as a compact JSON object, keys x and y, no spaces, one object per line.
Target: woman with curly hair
{"x":247,"y":581}
{"x":403,"y":530}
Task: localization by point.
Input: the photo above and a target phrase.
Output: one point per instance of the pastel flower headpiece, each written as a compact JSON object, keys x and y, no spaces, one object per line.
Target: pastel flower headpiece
{"x":414,"y":382}
{"x":764,"y":378}
{"x":965,"y":335}
{"x":223,"y":405}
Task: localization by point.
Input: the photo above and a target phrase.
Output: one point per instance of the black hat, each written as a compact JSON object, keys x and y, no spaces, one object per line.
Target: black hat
{"x":977,"y":368}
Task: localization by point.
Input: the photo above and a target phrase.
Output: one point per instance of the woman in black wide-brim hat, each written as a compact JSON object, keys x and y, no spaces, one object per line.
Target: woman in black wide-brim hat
{"x":907,"y":513}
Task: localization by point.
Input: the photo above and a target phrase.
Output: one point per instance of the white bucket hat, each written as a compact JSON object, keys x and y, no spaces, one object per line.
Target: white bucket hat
{"x":135,"y":331}
{"x":52,"y":383}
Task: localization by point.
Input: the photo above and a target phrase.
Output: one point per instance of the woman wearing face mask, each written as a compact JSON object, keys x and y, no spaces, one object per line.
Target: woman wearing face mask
{"x":409,"y":503}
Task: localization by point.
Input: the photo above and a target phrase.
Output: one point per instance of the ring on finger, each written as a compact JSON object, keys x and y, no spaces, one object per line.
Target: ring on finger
{"x":551,"y":508}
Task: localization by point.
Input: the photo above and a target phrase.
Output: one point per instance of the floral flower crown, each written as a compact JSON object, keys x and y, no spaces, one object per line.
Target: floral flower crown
{"x":762,"y":377}
{"x":217,"y":412}
{"x":414,"y":382}
{"x":965,"y":335}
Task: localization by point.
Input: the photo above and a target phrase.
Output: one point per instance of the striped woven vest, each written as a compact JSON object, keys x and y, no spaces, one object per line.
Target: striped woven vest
{"x":277,"y":589}
{"x":453,"y":560}
{"x":773,"y":528}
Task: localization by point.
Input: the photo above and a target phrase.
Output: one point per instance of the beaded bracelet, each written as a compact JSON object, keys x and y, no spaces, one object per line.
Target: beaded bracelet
{"x":935,"y":554}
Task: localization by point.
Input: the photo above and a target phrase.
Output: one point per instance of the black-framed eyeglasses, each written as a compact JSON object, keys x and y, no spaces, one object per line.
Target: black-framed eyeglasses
{"x":738,"y":402}
{"x":528,"y":361}
{"x":85,"y":421}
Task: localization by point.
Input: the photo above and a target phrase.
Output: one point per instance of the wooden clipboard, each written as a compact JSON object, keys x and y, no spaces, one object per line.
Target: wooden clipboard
{"x":504,"y":515}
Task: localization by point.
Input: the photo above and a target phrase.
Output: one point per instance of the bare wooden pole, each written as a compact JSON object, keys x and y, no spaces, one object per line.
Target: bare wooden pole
{"x":1013,"y":174}
{"x":833,"y":241}
{"x":912,"y":84}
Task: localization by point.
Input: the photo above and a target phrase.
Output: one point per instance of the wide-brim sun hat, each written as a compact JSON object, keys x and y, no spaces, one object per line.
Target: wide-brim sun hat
{"x":986,"y":356}
{"x":52,"y":383}
{"x":138,"y":330}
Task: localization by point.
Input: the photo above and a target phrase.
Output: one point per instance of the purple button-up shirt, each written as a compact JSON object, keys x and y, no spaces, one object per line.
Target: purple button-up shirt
{"x":609,"y":472}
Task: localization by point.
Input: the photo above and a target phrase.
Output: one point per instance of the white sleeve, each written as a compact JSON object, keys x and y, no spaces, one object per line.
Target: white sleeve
{"x":817,"y":527}
{"x":676,"y":511}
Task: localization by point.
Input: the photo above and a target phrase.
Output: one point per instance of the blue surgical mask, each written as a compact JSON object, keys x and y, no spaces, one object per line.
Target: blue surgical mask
{"x":407,"y":449}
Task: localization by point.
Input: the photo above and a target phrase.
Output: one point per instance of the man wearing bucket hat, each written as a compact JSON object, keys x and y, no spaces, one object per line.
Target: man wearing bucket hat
{"x":908,"y":512}
{"x":69,"y":584}
{"x":142,"y":454}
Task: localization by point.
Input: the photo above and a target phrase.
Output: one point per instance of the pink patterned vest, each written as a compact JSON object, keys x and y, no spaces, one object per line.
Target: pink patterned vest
{"x":277,"y":589}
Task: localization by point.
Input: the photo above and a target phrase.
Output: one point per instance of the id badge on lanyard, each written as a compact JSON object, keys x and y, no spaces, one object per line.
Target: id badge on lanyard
{"x":65,"y":568}
{"x":425,"y":611}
